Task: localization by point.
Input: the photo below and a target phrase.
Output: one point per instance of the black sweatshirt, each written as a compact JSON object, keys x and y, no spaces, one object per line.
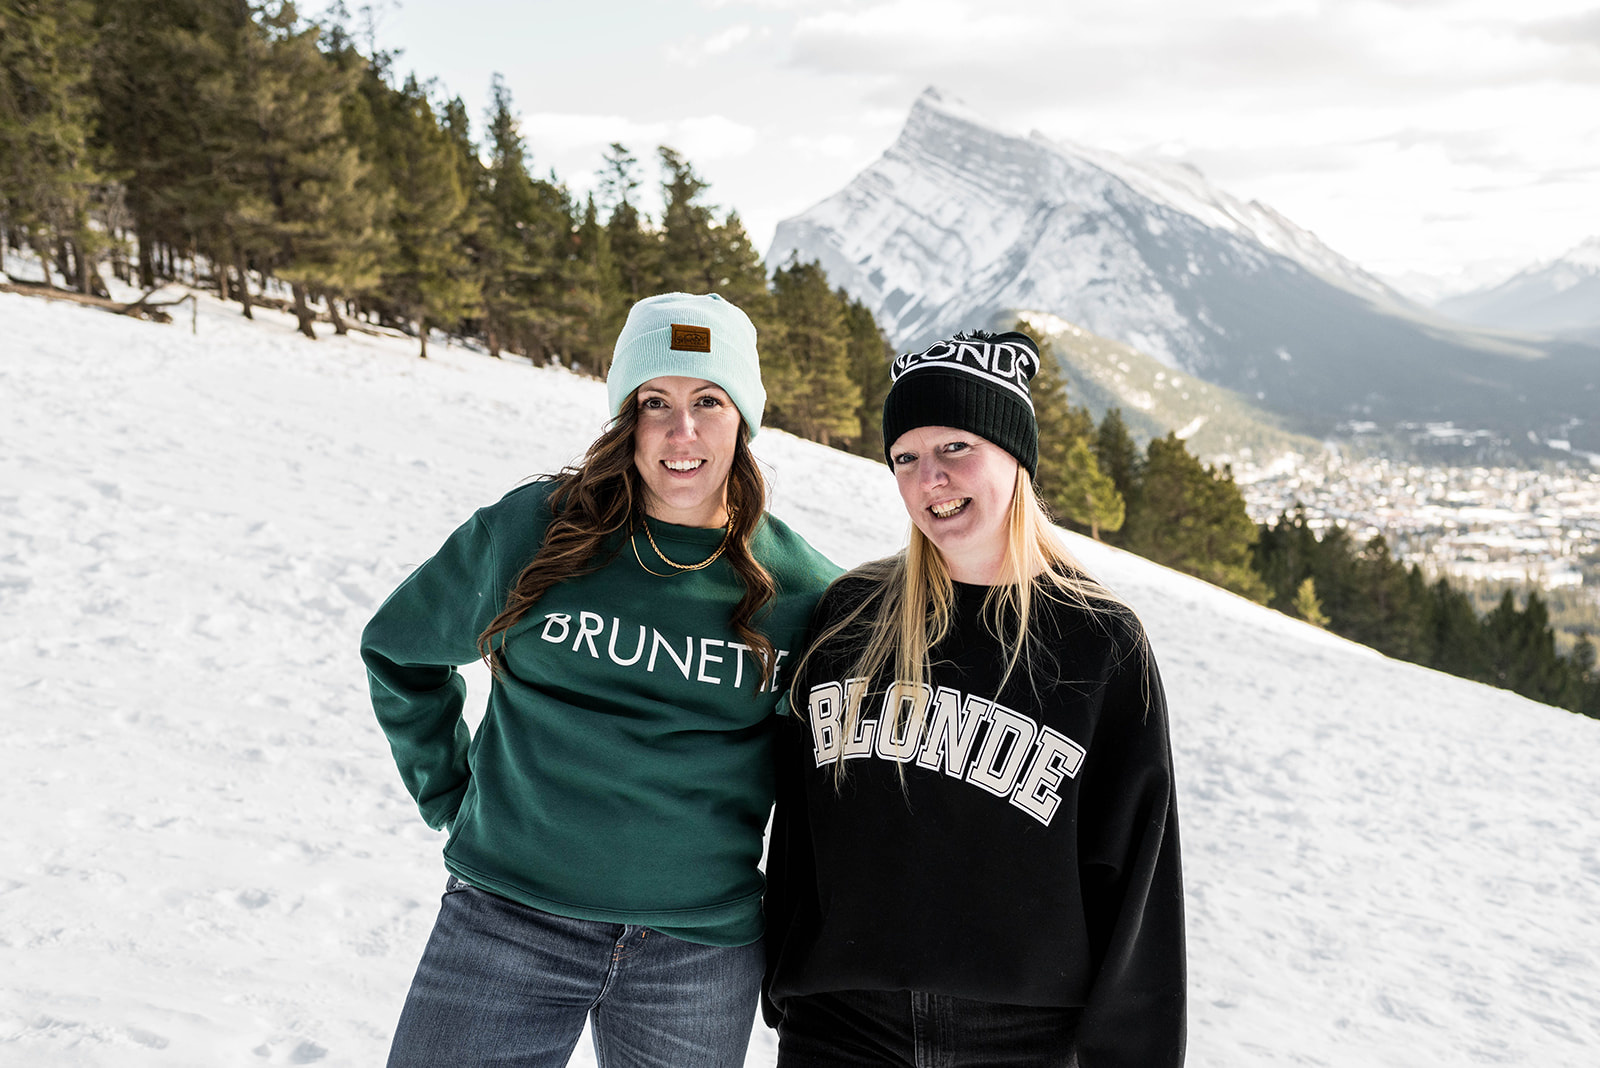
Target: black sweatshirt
{"x":1030,"y":856}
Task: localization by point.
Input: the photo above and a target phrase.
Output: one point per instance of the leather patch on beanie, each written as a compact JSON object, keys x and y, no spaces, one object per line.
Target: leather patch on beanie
{"x":691,"y":338}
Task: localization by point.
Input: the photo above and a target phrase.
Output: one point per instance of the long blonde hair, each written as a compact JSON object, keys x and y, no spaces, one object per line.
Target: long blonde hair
{"x":908,"y":607}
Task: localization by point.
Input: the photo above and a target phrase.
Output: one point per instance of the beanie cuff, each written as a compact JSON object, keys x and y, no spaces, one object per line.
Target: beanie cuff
{"x":937,"y":397}
{"x":693,"y":336}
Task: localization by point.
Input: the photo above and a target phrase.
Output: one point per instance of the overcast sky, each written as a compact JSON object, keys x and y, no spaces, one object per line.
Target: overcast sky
{"x":1422,"y":136}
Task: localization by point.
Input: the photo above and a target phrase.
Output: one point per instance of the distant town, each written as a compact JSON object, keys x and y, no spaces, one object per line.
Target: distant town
{"x":1481,"y":524}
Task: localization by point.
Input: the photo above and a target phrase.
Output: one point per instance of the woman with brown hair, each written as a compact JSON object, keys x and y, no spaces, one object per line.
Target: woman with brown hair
{"x":975,"y":857}
{"x":606,"y":817}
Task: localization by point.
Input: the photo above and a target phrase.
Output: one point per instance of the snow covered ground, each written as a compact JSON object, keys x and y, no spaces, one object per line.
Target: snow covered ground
{"x":210,"y":861}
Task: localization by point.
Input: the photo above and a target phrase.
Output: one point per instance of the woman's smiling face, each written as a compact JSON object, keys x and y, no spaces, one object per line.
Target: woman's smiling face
{"x":683,"y":446}
{"x":957,"y":488}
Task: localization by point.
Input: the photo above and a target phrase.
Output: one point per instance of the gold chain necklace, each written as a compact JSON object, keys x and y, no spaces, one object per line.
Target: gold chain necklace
{"x":679,"y":568}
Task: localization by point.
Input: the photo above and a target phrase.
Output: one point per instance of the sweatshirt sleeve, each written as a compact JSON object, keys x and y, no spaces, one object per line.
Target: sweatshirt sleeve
{"x":412,"y":647}
{"x":1131,"y":880}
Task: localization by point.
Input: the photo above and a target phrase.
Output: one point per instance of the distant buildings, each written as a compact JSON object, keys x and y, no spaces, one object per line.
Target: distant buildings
{"x":1498,"y":524}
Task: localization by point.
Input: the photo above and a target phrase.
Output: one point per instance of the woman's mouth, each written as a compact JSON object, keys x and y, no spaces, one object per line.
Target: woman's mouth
{"x":946,"y":509}
{"x":682,"y":465}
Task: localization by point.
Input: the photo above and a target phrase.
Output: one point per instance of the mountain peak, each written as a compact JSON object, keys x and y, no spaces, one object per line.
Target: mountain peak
{"x":935,"y":99}
{"x":959,"y":224}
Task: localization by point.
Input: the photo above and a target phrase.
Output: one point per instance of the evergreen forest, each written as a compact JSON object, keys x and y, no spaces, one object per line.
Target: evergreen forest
{"x":236,"y":146}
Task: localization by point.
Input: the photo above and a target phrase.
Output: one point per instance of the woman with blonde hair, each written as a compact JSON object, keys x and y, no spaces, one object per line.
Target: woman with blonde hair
{"x":605,"y":819}
{"x":975,"y":854}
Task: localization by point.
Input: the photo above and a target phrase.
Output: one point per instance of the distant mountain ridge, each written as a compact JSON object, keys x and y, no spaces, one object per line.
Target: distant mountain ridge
{"x":959,"y":224}
{"x":1559,"y":297}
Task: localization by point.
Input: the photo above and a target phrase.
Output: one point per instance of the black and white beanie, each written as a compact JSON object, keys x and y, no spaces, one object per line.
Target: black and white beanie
{"x":977,"y":382}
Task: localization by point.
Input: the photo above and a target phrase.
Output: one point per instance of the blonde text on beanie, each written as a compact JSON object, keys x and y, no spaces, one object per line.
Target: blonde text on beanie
{"x":696,"y":336}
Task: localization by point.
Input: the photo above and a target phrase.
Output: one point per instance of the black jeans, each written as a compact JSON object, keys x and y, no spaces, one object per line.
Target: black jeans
{"x":912,"y":1029}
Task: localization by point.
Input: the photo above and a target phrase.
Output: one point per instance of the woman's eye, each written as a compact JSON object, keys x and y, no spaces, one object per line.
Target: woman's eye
{"x":652,"y":402}
{"x":903,"y":458}
{"x":709,"y":402}
{"x":955,"y":446}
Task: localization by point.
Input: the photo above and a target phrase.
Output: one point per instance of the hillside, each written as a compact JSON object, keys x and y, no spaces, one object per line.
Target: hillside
{"x":210,"y":859}
{"x":1218,"y":424}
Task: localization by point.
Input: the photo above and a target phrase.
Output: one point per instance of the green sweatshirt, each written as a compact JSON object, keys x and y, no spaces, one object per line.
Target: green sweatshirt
{"x":622,"y":771}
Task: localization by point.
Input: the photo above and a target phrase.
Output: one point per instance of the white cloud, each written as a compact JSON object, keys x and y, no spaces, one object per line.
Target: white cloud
{"x":712,"y":137}
{"x":1405,"y":132}
{"x":695,"y":51}
{"x":834,"y":145}
{"x":702,"y":137}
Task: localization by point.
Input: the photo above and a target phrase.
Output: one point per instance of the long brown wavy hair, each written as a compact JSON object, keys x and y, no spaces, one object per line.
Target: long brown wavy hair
{"x":603,"y":494}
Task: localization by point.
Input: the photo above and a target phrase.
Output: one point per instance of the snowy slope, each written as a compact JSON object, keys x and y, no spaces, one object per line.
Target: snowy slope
{"x":210,"y":861}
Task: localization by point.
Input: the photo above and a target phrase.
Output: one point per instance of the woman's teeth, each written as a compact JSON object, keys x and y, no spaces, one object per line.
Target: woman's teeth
{"x":948,"y":508}
{"x":682,"y":465}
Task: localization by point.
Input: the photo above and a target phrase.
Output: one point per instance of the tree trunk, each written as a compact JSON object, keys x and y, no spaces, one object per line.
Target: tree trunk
{"x":340,"y":327}
{"x":44,"y":261}
{"x":422,"y":332}
{"x":302,"y":313}
{"x":119,"y":261}
{"x":244,"y":282}
{"x":147,"y":267}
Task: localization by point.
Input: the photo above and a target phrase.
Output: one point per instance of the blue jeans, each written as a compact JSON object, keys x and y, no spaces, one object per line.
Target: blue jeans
{"x":503,"y":984}
{"x":915,"y":1029}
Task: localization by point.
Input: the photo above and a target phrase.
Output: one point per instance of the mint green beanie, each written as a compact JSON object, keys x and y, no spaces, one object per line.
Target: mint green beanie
{"x":694,"y":336}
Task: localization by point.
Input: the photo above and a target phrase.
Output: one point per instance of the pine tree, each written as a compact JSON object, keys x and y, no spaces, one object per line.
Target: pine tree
{"x":1586,"y":679}
{"x":689,"y":259}
{"x":868,"y":355}
{"x":1306,"y":605}
{"x":145,"y":84}
{"x":1069,"y":478}
{"x":428,"y":280}
{"x":1458,"y":641}
{"x":1084,"y":495}
{"x":364,"y":239}
{"x":512,"y":257}
{"x":532,"y":243}
{"x":1118,"y":457}
{"x":49,"y":170}
{"x":597,"y":296}
{"x":222,"y":172}
{"x":1285,"y":555}
{"x":634,"y":249}
{"x":737,"y":272}
{"x":1522,"y":650}
{"x":1192,"y":518}
{"x":322,"y":227}
{"x":806,"y":359}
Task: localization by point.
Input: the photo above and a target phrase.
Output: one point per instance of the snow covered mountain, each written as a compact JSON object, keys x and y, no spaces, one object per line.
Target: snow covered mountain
{"x":209,"y":859}
{"x":959,"y":224}
{"x":1560,"y":297}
